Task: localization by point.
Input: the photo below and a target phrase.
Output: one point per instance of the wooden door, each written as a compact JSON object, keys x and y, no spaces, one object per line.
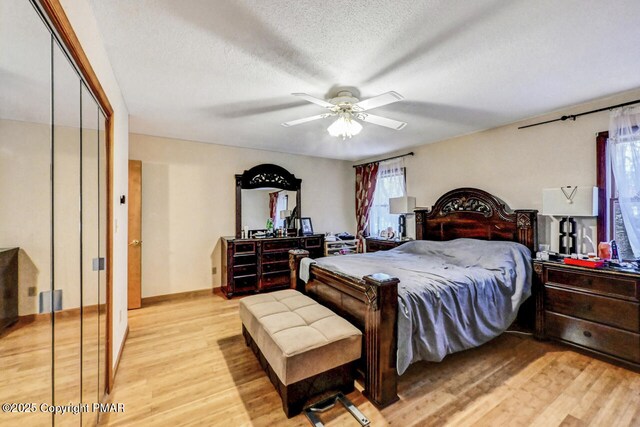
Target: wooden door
{"x":135,"y":235}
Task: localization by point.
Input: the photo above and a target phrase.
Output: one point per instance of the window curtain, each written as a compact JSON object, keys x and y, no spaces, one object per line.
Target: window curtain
{"x":391,"y":183}
{"x":624,"y":151}
{"x":273,"y":206}
{"x":366,"y":177}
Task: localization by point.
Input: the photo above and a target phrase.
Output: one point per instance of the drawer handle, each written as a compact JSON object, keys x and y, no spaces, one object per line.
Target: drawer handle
{"x":587,"y":334}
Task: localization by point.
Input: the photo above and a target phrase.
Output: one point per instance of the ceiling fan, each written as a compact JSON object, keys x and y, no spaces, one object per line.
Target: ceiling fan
{"x":349,"y":110}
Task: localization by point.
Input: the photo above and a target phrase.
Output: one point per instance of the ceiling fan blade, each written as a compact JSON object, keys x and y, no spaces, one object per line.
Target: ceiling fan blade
{"x":378,"y":101}
{"x":313,"y":99}
{"x":305,"y":120}
{"x":381,"y":121}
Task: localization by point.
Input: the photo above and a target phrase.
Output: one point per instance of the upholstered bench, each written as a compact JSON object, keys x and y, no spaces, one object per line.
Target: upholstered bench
{"x":304,"y":347}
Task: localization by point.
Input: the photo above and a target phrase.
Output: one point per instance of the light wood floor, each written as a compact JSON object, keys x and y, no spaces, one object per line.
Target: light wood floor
{"x":185,"y":363}
{"x":26,"y":354}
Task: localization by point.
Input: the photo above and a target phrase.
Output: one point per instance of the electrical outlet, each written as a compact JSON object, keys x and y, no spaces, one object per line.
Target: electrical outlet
{"x":214,"y":270}
{"x":32,"y":291}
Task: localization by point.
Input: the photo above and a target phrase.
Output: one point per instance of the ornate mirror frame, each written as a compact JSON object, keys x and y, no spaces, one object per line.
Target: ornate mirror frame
{"x":265,"y":176}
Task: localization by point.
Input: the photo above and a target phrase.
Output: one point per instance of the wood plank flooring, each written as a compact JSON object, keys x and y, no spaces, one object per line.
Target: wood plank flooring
{"x":26,"y":367}
{"x":185,"y":363}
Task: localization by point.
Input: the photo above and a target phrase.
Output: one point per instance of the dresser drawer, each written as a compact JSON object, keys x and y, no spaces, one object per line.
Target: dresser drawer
{"x":275,"y":256}
{"x":245,"y":247}
{"x":275,"y":279}
{"x":244,"y":259}
{"x":606,"y":339}
{"x":245,"y":283}
{"x":280,"y":245}
{"x":602,"y":284}
{"x":275,"y":266}
{"x":312,"y":242}
{"x":610,"y":311}
{"x":375,"y":245}
{"x":244,"y":270}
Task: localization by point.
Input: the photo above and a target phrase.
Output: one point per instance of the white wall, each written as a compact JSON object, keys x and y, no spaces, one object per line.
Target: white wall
{"x":516,"y":165}
{"x":188,"y":192}
{"x":85,"y":26}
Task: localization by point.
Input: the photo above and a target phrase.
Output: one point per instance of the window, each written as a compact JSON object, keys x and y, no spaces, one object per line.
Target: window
{"x":391,"y":182}
{"x":611,"y":225}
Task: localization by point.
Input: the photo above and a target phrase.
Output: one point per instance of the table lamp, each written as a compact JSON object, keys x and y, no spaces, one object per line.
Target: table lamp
{"x":402,"y":205}
{"x":285,"y":214}
{"x":569,"y":202}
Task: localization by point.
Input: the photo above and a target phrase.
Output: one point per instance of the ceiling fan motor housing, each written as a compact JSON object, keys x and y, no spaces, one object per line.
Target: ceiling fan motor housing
{"x":344,"y":100}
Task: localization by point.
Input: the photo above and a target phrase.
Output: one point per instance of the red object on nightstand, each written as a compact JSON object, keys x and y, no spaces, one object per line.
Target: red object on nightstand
{"x":584,"y":262}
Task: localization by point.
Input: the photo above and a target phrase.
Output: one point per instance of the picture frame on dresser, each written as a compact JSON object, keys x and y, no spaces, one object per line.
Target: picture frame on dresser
{"x":306,"y":226}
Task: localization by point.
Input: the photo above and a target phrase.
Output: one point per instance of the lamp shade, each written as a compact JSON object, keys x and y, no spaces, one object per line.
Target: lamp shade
{"x":345,"y":126}
{"x":402,"y":205}
{"x":570,"y":201}
{"x":285,"y":214}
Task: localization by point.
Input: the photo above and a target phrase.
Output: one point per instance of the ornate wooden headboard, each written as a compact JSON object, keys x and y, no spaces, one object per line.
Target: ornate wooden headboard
{"x":474,"y":213}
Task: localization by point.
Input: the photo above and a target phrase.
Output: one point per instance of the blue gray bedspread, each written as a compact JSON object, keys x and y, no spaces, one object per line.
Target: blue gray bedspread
{"x":452,"y":295}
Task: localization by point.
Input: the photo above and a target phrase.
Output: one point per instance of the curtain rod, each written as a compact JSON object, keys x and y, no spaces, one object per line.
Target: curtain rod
{"x":575,"y":116}
{"x":411,"y":153}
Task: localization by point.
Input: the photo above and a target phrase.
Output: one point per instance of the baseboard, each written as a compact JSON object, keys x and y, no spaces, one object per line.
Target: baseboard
{"x":67,"y":313}
{"x":159,"y":299}
{"x":117,"y":365}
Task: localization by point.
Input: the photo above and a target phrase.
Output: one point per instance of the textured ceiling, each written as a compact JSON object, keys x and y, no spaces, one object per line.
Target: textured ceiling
{"x":222,"y":71}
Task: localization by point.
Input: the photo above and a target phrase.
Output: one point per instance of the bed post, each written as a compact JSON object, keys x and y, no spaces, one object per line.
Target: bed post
{"x":381,"y":323}
{"x":295,"y":256}
{"x":420,"y":226}
{"x":527,"y":226}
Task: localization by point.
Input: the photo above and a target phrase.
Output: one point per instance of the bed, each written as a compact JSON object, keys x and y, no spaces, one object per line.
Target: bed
{"x":380,"y":304}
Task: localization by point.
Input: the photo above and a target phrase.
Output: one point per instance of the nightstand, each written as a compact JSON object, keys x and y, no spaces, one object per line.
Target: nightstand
{"x":597,"y":310}
{"x":374,"y":244}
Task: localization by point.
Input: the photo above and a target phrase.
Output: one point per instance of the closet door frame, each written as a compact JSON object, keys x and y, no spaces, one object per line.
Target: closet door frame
{"x":67,"y":36}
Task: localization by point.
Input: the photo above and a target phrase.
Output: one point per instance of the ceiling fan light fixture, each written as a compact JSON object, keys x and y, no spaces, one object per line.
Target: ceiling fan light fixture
{"x":345,"y":127}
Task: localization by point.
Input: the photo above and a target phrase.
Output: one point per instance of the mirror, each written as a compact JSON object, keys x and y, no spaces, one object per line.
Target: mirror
{"x":257,"y":203}
{"x":53,"y":178}
{"x":267,"y":191}
{"x":66,"y":230}
{"x":26,"y":342}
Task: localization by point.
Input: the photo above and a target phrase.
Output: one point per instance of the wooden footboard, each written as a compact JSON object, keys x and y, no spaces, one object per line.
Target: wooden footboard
{"x":371,"y":304}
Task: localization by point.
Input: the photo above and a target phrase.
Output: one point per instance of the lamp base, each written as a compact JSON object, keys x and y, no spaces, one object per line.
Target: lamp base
{"x":567,"y":228}
{"x":402,"y":226}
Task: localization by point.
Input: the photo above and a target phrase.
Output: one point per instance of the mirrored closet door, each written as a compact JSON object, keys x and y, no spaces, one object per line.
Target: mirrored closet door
{"x":26,"y":257}
{"x":53,"y":200}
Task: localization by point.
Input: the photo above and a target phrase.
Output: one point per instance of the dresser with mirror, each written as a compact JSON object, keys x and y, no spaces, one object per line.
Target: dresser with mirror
{"x":268,"y":212}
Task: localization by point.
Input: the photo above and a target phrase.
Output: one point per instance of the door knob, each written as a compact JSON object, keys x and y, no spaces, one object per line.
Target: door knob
{"x":135,"y":243}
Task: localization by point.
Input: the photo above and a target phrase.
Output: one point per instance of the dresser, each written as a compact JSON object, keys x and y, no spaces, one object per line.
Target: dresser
{"x":8,"y":287}
{"x":374,"y":244}
{"x":597,"y":310}
{"x":261,"y":265}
